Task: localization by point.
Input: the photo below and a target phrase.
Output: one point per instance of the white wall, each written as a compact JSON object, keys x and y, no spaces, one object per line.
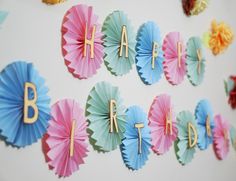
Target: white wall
{"x":32,"y":32}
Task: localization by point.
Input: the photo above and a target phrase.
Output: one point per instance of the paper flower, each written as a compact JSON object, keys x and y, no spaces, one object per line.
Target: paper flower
{"x":82,"y":41}
{"x":119,"y":42}
{"x":187,"y":137}
{"x":230,"y":89}
{"x":199,"y":6}
{"x":221,"y":36}
{"x":24,"y":104}
{"x":136,"y":144}
{"x":195,"y":61}
{"x":233,"y":137}
{"x":3,"y":15}
{"x":67,"y":137}
{"x":162,"y":124}
{"x":53,"y":1}
{"x":106,"y":115}
{"x":149,"y":56}
{"x":204,"y":117}
{"x":221,"y":137}
{"x":175,"y":58}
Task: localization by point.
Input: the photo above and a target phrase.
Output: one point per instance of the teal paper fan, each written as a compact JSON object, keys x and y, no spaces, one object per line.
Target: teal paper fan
{"x":119,"y":55}
{"x":195,"y":61}
{"x":187,"y":137}
{"x":103,"y":104}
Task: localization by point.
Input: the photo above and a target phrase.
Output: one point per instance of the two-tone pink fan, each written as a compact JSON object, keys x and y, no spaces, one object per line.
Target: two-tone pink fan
{"x":82,"y":41}
{"x":162,"y":123}
{"x":67,"y":137}
{"x":174,"y":58}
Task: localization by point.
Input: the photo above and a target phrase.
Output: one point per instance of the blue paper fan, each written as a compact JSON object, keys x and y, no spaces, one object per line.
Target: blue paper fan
{"x":195,"y":61}
{"x":112,"y":29}
{"x":203,"y":113}
{"x":12,"y":82}
{"x":133,"y":155}
{"x":98,"y":115}
{"x":185,"y":153}
{"x":3,"y":15}
{"x":148,"y":45}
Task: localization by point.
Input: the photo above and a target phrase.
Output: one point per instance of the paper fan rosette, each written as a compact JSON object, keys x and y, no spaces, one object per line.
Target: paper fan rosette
{"x":67,"y":137}
{"x":82,"y":41}
{"x":205,"y":121}
{"x":162,"y":123}
{"x":106,"y":115}
{"x":24,"y":104}
{"x":195,"y":61}
{"x":149,"y":57}
{"x":119,"y":43}
{"x":136,"y":144}
{"x":185,"y":145}
{"x":174,"y":58}
{"x":221,"y":137}
{"x":230,"y":89}
{"x":194,"y":7}
{"x":233,"y":137}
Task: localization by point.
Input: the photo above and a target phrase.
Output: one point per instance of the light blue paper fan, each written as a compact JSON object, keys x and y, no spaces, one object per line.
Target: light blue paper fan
{"x":112,"y":29}
{"x":184,"y":153}
{"x":147,"y":35}
{"x":202,"y":110}
{"x":98,"y":115}
{"x":12,"y":126}
{"x":233,"y":137}
{"x":133,"y":159}
{"x":3,"y":15}
{"x":195,"y":68}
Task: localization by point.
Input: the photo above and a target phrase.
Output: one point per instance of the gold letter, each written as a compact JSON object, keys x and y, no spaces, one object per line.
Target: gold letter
{"x":30,"y":103}
{"x":124,"y":42}
{"x":139,"y":126}
{"x":179,"y":50}
{"x":113,"y":116}
{"x":199,"y":57}
{"x":169,"y":123}
{"x":154,"y":53}
{"x":208,"y":126}
{"x":89,"y":42}
{"x":72,"y":134}
{"x":190,"y":129}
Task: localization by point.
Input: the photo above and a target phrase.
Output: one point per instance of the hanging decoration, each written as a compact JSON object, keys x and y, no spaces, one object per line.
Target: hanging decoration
{"x":106,"y":115}
{"x":205,"y":121}
{"x":162,"y":123}
{"x":67,"y":137}
{"x":24,"y":104}
{"x":221,"y":137}
{"x":174,"y":58}
{"x":136,"y":144}
{"x":230,"y":89}
{"x":149,"y":56}
{"x":194,"y":7}
{"x":119,"y":42}
{"x":82,"y":41}
{"x":53,"y":1}
{"x":185,"y":145}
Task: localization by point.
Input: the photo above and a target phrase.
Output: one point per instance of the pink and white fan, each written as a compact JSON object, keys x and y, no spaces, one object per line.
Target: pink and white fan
{"x":174,"y":58}
{"x":162,"y":123}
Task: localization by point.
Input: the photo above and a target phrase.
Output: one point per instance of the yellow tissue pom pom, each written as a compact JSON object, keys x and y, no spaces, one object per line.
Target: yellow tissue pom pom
{"x":53,"y":1}
{"x":221,"y":36}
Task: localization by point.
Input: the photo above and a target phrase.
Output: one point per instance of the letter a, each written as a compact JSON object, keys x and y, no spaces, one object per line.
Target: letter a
{"x":113,"y":119}
{"x":89,"y":42}
{"x":30,"y":103}
{"x":124,"y":42}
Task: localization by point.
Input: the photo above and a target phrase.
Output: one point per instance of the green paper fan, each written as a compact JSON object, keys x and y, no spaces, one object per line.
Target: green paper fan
{"x":195,"y":61}
{"x":183,"y":152}
{"x":112,"y":29}
{"x":98,"y":115}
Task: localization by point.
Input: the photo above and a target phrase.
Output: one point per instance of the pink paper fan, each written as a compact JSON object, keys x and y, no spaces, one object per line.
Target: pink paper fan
{"x":78,"y":27}
{"x":174,"y":58}
{"x":221,"y":137}
{"x":67,"y":137}
{"x":160,"y":114}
